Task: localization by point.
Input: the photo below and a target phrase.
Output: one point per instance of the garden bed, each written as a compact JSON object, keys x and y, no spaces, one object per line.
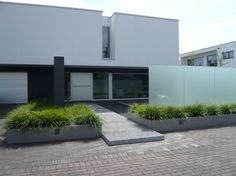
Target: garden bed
{"x":42,"y":122}
{"x":169,"y":119}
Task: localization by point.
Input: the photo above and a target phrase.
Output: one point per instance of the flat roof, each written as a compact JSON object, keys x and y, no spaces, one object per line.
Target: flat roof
{"x":204,"y":50}
{"x":145,"y":16}
{"x":48,"y":5}
{"x":78,"y":8}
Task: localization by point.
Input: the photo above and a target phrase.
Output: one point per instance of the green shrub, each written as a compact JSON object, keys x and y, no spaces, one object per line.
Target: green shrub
{"x":157,"y":112}
{"x":225,"y":109}
{"x":22,"y":117}
{"x":154,"y":113}
{"x":173,"y":112}
{"x":40,"y":114}
{"x":85,"y":115}
{"x":233,"y":108}
{"x":138,"y":108}
{"x":89,"y":118}
{"x":134,"y":108}
{"x":53,"y":117}
{"x":196,"y":110}
{"x":212,"y":110}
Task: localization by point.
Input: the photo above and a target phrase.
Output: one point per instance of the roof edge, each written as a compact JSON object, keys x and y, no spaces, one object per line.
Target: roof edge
{"x":52,"y":6}
{"x":84,"y":9}
{"x":190,"y":52}
{"x":145,"y":16}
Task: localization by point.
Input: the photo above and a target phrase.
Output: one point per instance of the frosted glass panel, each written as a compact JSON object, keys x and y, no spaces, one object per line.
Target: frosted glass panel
{"x":225,"y":85}
{"x":199,"y":85}
{"x":166,"y":85}
{"x":183,"y":85}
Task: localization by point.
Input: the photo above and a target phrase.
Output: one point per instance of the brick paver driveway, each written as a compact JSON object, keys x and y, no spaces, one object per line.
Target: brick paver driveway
{"x":202,"y":152}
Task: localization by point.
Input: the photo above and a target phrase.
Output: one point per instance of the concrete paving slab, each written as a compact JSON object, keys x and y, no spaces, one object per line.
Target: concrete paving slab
{"x":118,"y":130}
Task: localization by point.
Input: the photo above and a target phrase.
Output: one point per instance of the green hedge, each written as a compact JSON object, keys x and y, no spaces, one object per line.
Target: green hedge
{"x":42,"y":114}
{"x":173,"y":112}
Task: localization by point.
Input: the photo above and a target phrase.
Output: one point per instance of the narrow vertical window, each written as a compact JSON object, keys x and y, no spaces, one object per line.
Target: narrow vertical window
{"x":106,"y":41}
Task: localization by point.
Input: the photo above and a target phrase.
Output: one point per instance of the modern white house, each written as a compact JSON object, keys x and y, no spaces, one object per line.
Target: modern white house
{"x":219,"y":55}
{"x":105,"y":58}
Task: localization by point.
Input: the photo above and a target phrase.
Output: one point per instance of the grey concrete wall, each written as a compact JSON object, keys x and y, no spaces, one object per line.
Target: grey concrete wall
{"x":14,"y":136}
{"x":192,"y":123}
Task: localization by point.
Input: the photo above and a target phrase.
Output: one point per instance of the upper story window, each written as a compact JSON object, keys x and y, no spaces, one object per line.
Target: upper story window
{"x":228,"y":54}
{"x":199,"y":61}
{"x":106,"y":41}
{"x":212,"y":60}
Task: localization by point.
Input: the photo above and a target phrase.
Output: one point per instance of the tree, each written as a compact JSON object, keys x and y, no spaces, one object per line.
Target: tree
{"x":190,"y":61}
{"x":220,"y":59}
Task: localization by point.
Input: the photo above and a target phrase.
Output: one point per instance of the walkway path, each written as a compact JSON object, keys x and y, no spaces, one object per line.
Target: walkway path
{"x":119,"y":130}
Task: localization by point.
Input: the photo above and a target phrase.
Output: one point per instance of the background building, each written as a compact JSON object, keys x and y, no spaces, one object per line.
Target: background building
{"x":219,"y":55}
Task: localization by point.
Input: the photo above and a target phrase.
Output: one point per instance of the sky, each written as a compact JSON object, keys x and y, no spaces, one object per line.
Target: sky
{"x":202,"y":23}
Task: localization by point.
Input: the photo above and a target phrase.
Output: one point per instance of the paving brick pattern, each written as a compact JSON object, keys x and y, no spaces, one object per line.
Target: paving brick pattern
{"x":200,"y":152}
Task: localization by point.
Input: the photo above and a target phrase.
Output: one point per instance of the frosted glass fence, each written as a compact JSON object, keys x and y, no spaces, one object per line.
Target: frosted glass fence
{"x":184,"y":85}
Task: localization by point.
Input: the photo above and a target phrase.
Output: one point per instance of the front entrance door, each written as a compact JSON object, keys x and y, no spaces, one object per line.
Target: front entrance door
{"x":81,"y":86}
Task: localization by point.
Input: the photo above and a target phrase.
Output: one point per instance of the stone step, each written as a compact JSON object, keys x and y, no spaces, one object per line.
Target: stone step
{"x":118,"y":130}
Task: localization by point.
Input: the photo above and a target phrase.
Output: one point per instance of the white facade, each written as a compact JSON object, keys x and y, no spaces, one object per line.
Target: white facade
{"x":34,"y":34}
{"x":142,"y":41}
{"x":225,"y":55}
{"x":105,"y":57}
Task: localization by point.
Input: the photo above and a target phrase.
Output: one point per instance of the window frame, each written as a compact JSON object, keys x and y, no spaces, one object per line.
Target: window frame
{"x":208,"y":60}
{"x":197,"y":59}
{"x":229,"y":56}
{"x":107,"y":51}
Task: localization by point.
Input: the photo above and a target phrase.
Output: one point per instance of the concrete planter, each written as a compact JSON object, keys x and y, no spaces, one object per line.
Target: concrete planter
{"x":14,"y":136}
{"x":186,"y":124}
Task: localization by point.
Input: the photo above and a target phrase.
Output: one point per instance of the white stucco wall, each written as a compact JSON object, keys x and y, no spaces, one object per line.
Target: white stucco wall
{"x":143,"y":41}
{"x":229,"y":47}
{"x":32,"y":34}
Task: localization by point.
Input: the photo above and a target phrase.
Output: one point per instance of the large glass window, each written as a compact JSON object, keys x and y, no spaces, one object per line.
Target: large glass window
{"x":100,"y":86}
{"x":130,"y":85}
{"x":199,"y":61}
{"x":228,"y":54}
{"x":212,"y":60}
{"x":106,"y":42}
